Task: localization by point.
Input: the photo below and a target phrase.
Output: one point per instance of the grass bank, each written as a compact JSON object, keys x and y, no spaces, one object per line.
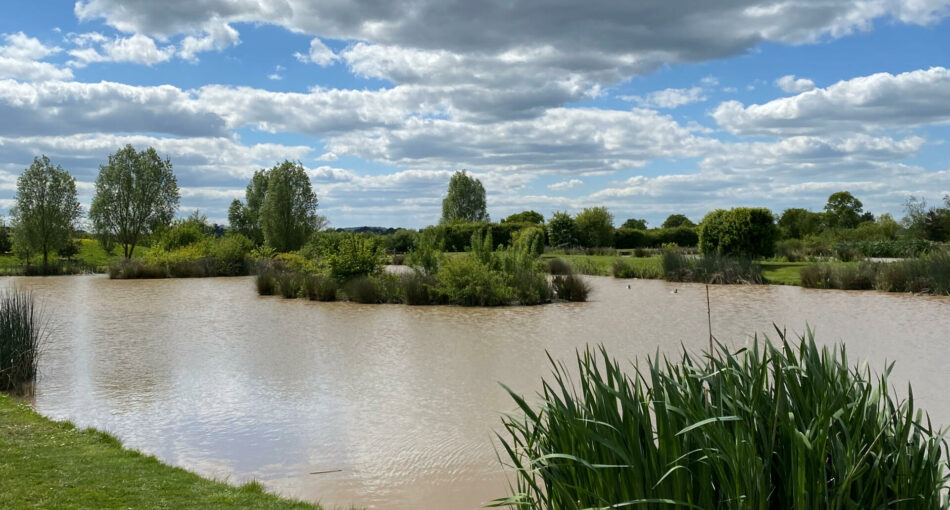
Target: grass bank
{"x":91,"y":258}
{"x":47,"y":464}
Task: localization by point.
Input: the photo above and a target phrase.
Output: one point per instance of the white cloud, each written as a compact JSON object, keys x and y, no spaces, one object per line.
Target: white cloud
{"x":137,"y":49}
{"x":563,"y":185}
{"x":319,"y":54}
{"x":276,"y":74}
{"x":789,"y":83}
{"x":20,"y":58}
{"x":866,"y":103}
{"x":669,"y":98}
{"x":216,"y":35}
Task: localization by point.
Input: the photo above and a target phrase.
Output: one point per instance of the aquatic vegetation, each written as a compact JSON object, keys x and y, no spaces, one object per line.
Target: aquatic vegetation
{"x":22,"y":334}
{"x":775,"y":425}
{"x":711,"y":268}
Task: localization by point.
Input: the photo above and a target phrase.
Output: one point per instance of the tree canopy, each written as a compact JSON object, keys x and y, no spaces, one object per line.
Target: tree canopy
{"x":465,"y":200}
{"x":136,"y":193}
{"x":525,"y":217}
{"x":245,"y":218}
{"x":595,"y":227}
{"x":635,"y":224}
{"x":843,"y":210}
{"x":743,"y":231}
{"x":677,"y":220}
{"x":797,"y":223}
{"x":46,"y":209}
{"x":562,"y":230}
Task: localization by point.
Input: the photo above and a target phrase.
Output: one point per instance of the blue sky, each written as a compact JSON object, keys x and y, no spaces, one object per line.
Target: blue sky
{"x":648,"y":108}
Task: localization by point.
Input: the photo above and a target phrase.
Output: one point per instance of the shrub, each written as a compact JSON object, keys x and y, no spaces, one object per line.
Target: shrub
{"x":418,"y":288}
{"x":355,"y":255}
{"x":320,"y":288}
{"x":21,"y":337}
{"x":231,"y":254}
{"x":784,"y":425}
{"x":469,"y":282}
{"x":743,"y":231}
{"x":288,"y":284}
{"x":266,"y":282}
{"x":363,"y":289}
{"x":529,"y":287}
{"x":559,"y":266}
{"x":595,"y":227}
{"x":570,"y":287}
{"x":132,"y":269}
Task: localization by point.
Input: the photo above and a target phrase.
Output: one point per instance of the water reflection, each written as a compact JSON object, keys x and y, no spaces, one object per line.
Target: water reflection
{"x":395,"y":405}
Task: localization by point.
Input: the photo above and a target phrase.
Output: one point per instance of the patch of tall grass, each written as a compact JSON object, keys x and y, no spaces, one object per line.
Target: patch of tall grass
{"x":320,"y":288}
{"x":711,"y":268}
{"x":927,"y":274}
{"x":22,"y":334}
{"x":776,"y":425}
{"x":570,"y":287}
{"x":559,"y":266}
{"x":288,"y":284}
{"x":363,"y":289}
{"x":625,"y":269}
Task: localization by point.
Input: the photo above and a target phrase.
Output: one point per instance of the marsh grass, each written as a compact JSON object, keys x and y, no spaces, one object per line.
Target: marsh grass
{"x":22,"y":334}
{"x":320,"y":288}
{"x":928,"y":274}
{"x":266,"y":282}
{"x":711,"y":268}
{"x":363,"y":289}
{"x":570,"y":287}
{"x":418,"y":288}
{"x":625,"y":269}
{"x":776,"y":425}
{"x":134,"y":269}
{"x":288,"y":284}
{"x":559,"y":266}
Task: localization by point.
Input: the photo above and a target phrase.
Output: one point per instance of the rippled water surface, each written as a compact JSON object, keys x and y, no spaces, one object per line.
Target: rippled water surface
{"x":393,"y":407}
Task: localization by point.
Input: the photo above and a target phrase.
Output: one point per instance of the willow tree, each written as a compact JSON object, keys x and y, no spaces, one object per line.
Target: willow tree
{"x":136,"y":193}
{"x":46,"y":209}
{"x":465,"y":200}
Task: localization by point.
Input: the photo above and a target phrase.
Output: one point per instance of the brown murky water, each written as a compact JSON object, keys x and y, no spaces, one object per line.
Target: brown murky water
{"x":396,"y":404}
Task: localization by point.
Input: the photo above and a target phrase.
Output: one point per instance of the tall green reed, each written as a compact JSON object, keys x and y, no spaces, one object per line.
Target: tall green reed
{"x":22,"y":334}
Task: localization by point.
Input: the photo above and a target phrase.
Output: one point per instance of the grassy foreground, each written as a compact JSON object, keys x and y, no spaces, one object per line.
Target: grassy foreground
{"x":47,"y":464}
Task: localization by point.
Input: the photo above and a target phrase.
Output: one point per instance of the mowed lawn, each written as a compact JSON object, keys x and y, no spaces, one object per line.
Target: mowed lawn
{"x":47,"y":464}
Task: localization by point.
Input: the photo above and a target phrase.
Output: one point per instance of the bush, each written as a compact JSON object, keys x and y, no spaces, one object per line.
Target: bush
{"x":355,"y":255}
{"x":133,"y":269}
{"x":418,"y":288}
{"x":711,"y":268}
{"x":363,"y":289}
{"x":529,"y":287}
{"x":559,"y":266}
{"x":288,"y":284}
{"x":21,"y":337}
{"x":231,"y":253}
{"x":785,"y":425}
{"x":320,"y":288}
{"x":266,"y":282}
{"x":570,"y":288}
{"x":743,"y":232}
{"x":469,"y":282}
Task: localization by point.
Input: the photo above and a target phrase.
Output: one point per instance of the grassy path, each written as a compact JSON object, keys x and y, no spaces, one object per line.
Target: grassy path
{"x":47,"y":464}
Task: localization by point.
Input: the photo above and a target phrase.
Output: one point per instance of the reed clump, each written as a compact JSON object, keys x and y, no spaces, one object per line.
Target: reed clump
{"x":711,"y":268}
{"x":22,"y":334}
{"x":320,"y":288}
{"x":928,"y":274}
{"x":776,"y":425}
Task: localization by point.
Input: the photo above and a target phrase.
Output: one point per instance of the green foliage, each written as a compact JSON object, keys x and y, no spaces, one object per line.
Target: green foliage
{"x":232,"y":253}
{"x":743,"y":231}
{"x":530,"y":239}
{"x":457,"y":236}
{"x":69,"y":250}
{"x":533,"y":217}
{"x":482,"y":247}
{"x":402,"y":241}
{"x":427,"y":253}
{"x":183,"y":232}
{"x":626,"y":269}
{"x":465,"y":200}
{"x":136,"y":194}
{"x":46,"y":209}
{"x":711,"y":268}
{"x":364,"y":289}
{"x":288,"y":214}
{"x":468,"y":281}
{"x":776,"y":425}
{"x":355,"y":255}
{"x":320,"y":288}
{"x":843,"y":210}
{"x":245,"y":218}
{"x":562,"y":230}
{"x":288,"y":284}
{"x":21,"y":337}
{"x":932,"y":223}
{"x":928,"y":274}
{"x":676,"y":221}
{"x":626,"y":239}
{"x":635,"y":224}
{"x":595,"y":227}
{"x":6,"y":240}
{"x":570,"y":287}
{"x":418,"y":288}
{"x":559,"y":267}
{"x":797,"y":223}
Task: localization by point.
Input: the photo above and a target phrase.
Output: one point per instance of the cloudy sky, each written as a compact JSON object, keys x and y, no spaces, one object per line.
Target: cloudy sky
{"x":647,"y":107}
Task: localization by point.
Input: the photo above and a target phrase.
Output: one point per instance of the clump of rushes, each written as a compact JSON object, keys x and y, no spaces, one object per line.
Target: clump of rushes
{"x":559,"y":266}
{"x":363,"y":289}
{"x":570,"y":287}
{"x":266,"y":281}
{"x":288,"y":284}
{"x":320,"y":288}
{"x":418,"y":288}
{"x":711,"y":268}
{"x":775,"y":425}
{"x":21,"y":337}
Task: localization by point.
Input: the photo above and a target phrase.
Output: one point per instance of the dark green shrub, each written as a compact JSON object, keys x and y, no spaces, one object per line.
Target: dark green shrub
{"x":132,"y":269}
{"x":21,"y":337}
{"x":559,"y":266}
{"x":355,"y":255}
{"x":595,"y":227}
{"x":320,"y":288}
{"x":529,"y":287}
{"x":418,"y":288}
{"x":743,"y":231}
{"x":402,"y":241}
{"x":570,"y":287}
{"x":231,"y":253}
{"x":627,"y":238}
{"x":785,"y":425}
{"x":363,"y":289}
{"x":390,"y":288}
{"x":288,"y":284}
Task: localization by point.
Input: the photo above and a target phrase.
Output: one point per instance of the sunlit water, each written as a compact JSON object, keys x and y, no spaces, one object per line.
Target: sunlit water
{"x":390,"y":406}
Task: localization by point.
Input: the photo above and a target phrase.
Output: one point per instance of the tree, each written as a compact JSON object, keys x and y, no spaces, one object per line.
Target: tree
{"x":562,"y":230}
{"x":245,"y":218}
{"x":136,"y":193}
{"x":843,"y":210}
{"x":525,"y":217}
{"x":288,"y":213}
{"x":677,"y":220}
{"x":46,"y":209}
{"x":797,"y":223}
{"x":595,"y":227}
{"x":743,"y":231}
{"x":635,"y":224}
{"x":465,"y":200}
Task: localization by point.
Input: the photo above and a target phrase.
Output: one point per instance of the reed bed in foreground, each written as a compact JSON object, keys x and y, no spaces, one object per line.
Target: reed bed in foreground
{"x":778,"y":425}
{"x":21,"y":337}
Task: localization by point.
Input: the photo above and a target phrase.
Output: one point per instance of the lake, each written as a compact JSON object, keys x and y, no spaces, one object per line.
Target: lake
{"x":391,"y":406}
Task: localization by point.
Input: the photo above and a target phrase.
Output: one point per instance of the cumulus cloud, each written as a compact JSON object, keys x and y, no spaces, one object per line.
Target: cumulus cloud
{"x":668,"y":98}
{"x":216,"y":35}
{"x":136,"y":49}
{"x":874,"y":102}
{"x":563,"y":185}
{"x":319,"y":54}
{"x":21,"y":58}
{"x":789,"y":83}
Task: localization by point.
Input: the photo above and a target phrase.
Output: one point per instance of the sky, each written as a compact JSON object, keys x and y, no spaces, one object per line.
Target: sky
{"x":647,"y":108}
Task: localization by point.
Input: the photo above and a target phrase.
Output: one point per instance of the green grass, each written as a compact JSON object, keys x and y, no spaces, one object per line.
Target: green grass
{"x":47,"y":464}
{"x":602,"y":265}
{"x":787,"y":425}
{"x":89,"y":252}
{"x":789,"y":273}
